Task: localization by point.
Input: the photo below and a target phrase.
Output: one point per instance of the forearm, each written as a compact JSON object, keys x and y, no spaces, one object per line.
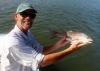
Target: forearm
{"x":52,"y":58}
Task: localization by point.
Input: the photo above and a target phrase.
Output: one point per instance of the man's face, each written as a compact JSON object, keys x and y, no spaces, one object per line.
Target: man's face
{"x":25,"y":19}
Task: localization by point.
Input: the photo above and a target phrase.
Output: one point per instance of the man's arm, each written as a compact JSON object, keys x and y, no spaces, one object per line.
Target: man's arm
{"x":53,"y":57}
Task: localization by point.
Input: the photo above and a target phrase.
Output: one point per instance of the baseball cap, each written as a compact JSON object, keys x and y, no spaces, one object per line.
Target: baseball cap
{"x":25,"y":6}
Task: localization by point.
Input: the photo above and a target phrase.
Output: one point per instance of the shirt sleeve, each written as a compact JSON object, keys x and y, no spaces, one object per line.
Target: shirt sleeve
{"x":38,"y":54}
{"x":38,"y":48}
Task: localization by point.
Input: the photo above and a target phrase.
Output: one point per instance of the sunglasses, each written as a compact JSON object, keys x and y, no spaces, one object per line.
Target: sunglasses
{"x":26,"y":14}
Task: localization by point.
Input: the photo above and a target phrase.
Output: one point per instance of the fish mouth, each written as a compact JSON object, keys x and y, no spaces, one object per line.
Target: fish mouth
{"x":90,"y":40}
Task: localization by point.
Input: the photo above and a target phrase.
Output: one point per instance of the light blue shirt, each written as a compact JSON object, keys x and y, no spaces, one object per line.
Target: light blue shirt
{"x":20,"y":52}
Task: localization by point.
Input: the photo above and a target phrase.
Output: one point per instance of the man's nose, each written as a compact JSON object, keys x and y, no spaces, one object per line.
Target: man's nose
{"x":28,"y":17}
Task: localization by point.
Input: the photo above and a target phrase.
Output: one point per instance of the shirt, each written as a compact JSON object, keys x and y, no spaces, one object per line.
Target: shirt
{"x":1,"y":39}
{"x":20,"y":52}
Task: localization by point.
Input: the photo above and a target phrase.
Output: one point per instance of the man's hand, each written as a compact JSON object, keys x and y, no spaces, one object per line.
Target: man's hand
{"x":75,"y":45}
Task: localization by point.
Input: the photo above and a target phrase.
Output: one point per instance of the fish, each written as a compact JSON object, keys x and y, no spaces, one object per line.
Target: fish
{"x":72,"y":36}
{"x":82,"y":37}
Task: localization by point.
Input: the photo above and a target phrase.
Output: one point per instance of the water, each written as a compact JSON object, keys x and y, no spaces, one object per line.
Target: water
{"x":61,"y":15}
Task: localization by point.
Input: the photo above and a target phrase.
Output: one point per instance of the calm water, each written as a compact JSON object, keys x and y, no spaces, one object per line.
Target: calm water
{"x":62,"y":15}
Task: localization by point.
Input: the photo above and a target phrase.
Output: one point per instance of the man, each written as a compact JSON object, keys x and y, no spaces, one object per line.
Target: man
{"x":22,"y":52}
